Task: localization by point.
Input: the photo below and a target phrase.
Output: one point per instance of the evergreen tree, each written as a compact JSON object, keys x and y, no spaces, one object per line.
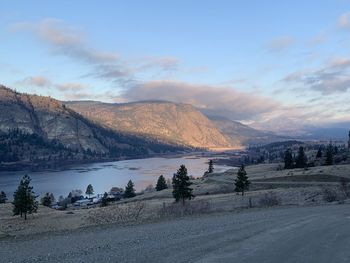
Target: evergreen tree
{"x":161,"y":183}
{"x":319,"y":153}
{"x":24,"y":199}
{"x":89,"y":190}
{"x":336,"y":150}
{"x":241,"y":182}
{"x":3,"y":197}
{"x":48,"y":199}
{"x":211,"y":167}
{"x":288,"y":159}
{"x":104,"y":201}
{"x":301,"y":161}
{"x":181,"y":185}
{"x":329,"y":155}
{"x":129,"y":190}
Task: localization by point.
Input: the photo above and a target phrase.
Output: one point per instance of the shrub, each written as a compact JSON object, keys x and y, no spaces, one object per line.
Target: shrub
{"x":190,"y":208}
{"x":48,"y":199}
{"x":132,"y":212}
{"x":344,"y":187}
{"x":269,"y":199}
{"x":329,"y":194}
{"x":124,"y":213}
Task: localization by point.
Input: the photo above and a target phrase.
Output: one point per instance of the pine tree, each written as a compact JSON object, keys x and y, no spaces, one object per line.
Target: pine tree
{"x":319,"y":153}
{"x":89,"y":190}
{"x":301,"y":161}
{"x":104,"y":201}
{"x":129,"y":190}
{"x":288,"y":159}
{"x":161,"y":183}
{"x":24,"y":199}
{"x":336,"y":150}
{"x":181,"y":185}
{"x":3,"y":197}
{"x":241,"y":182}
{"x":211,"y":167}
{"x":329,"y":155}
{"x":47,"y":200}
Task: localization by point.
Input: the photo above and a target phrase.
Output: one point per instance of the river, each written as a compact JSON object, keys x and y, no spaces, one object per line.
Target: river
{"x":103,"y":176}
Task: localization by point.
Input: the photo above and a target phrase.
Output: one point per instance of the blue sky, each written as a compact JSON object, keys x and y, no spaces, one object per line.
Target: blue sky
{"x":266,"y":63}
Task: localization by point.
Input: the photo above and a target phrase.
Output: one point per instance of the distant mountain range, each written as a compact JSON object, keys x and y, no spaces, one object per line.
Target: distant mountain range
{"x":174,"y":123}
{"x":339,"y":131}
{"x":92,"y":129}
{"x":240,"y":134}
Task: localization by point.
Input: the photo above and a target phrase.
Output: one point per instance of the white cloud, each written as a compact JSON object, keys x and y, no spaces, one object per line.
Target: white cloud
{"x":280,"y":44}
{"x":70,"y":86}
{"x":67,"y":41}
{"x":344,"y":21}
{"x":213,"y":100}
{"x":332,"y":77}
{"x":37,"y":81}
{"x":318,"y":39}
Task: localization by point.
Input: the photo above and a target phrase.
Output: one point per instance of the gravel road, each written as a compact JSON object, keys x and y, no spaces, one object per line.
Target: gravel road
{"x":303,"y":234}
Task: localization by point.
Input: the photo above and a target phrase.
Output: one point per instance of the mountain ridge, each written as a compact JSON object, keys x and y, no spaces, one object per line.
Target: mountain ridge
{"x":164,"y":120}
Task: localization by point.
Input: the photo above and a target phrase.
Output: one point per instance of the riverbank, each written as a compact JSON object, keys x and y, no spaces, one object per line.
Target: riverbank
{"x":104,"y":176}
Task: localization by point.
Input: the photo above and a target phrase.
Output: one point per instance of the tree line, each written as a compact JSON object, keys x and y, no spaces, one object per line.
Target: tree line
{"x":325,"y":155}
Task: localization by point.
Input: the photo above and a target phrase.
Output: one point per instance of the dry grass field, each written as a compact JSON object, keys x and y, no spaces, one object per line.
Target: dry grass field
{"x":214,"y":194}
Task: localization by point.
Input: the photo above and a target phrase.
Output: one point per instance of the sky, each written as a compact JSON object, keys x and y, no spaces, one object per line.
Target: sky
{"x":275,"y":65}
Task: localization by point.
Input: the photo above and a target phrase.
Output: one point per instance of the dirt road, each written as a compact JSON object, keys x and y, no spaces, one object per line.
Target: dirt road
{"x":302,"y":234}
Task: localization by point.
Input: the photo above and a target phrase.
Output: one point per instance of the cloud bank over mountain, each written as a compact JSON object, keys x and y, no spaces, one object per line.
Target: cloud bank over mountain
{"x":213,"y":100}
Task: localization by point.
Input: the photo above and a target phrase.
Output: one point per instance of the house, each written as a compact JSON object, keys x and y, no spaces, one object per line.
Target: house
{"x":117,"y":192}
{"x":83,"y":202}
{"x":97,"y":199}
{"x":57,"y":207}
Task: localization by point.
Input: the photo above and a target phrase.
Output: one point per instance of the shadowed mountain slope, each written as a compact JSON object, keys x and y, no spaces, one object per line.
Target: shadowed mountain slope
{"x":240,"y":134}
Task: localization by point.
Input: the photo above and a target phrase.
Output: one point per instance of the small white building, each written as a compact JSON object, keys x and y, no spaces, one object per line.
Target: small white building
{"x":83,"y":202}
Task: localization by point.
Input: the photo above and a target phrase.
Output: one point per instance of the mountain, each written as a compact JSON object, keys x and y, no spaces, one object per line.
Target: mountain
{"x":38,"y":129}
{"x":166,"y":121}
{"x":41,"y":128}
{"x":47,"y":118}
{"x":240,"y":134}
{"x":338,"y":132}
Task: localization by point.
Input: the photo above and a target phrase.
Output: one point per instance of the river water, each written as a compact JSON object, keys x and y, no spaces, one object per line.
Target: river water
{"x":103,"y":176}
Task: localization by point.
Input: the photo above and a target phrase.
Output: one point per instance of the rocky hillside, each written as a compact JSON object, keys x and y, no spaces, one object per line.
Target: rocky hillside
{"x":166,"y":121}
{"x":47,"y":118}
{"x":240,"y":134}
{"x":52,"y":123}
